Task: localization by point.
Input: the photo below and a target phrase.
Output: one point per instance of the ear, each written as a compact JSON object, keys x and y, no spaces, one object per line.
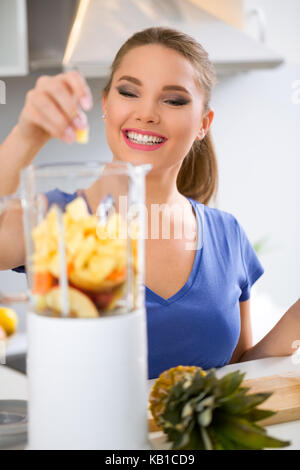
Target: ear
{"x":206,"y":123}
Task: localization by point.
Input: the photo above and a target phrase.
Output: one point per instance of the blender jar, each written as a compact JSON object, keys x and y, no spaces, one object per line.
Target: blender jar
{"x":87,"y":344}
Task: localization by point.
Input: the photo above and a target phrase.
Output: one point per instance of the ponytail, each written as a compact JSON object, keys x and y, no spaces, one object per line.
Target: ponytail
{"x":198,"y":174}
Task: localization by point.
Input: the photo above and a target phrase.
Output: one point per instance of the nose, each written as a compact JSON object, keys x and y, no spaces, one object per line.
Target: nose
{"x":148,"y":113}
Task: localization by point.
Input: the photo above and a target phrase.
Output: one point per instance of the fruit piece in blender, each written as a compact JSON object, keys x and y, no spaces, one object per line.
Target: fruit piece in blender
{"x":77,"y":209}
{"x":43,"y":282}
{"x":91,"y":275}
{"x":117,"y":274}
{"x":81,"y":306}
{"x":118,"y":293}
{"x":102,"y":299}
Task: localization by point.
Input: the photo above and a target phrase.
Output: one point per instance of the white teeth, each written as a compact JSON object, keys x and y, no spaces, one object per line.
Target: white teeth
{"x":145,"y":139}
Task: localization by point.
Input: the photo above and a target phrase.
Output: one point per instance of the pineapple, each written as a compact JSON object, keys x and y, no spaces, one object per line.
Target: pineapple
{"x":196,"y":410}
{"x":162,"y":386}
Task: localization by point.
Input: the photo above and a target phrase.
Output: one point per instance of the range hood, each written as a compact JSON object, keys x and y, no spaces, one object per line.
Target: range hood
{"x":102,"y":26}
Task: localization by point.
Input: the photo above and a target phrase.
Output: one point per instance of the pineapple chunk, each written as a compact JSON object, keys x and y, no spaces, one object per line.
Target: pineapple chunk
{"x":77,"y":209}
{"x":81,"y":305}
{"x":82,"y":135}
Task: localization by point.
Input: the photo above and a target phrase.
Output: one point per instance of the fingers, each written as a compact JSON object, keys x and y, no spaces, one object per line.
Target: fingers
{"x":46,"y":115}
{"x":62,"y":97}
{"x":56,"y":103}
{"x":79,"y":88}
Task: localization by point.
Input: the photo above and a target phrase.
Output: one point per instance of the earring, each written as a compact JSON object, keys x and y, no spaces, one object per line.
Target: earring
{"x":201,"y":135}
{"x":104,"y":116}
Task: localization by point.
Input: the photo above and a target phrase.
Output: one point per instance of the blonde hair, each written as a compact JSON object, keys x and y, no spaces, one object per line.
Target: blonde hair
{"x":198,"y":174}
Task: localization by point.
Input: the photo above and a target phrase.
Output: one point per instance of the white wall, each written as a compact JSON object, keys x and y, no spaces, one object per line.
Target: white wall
{"x":257,"y":139}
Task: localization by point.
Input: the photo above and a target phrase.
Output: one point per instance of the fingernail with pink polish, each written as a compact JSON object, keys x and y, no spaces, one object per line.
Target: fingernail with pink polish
{"x":86,"y":103}
{"x":80,"y":122}
{"x":69,"y":135}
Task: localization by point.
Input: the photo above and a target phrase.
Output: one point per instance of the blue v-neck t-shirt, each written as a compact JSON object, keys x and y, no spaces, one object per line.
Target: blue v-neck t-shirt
{"x":200,"y":324}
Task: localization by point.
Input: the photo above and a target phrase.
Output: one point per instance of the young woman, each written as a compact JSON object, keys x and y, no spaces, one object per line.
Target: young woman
{"x":198,"y":307}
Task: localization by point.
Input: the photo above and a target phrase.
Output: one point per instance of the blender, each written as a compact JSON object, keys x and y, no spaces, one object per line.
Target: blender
{"x":84,"y":226}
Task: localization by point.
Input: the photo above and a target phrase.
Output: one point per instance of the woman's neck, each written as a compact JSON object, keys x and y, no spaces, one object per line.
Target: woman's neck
{"x":161,"y":188}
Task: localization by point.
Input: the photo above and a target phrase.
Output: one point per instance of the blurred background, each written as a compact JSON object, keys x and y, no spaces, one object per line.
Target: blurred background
{"x":255,"y":45}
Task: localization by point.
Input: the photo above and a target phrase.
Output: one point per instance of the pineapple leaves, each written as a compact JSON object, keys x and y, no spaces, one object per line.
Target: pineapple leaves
{"x":204,"y":412}
{"x":257,"y":414}
{"x":242,"y":432}
{"x":241,"y":403}
{"x":230,"y":383}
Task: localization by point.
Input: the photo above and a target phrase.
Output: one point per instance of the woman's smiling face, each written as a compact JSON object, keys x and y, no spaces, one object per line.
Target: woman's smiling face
{"x":155,"y":107}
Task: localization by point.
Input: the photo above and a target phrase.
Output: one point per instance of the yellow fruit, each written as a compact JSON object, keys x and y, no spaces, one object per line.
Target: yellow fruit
{"x":40,"y":302}
{"x":77,"y":209}
{"x":92,"y":277}
{"x":8,"y":320}
{"x":81,"y":305}
{"x":93,"y":251}
{"x":82,"y":135}
{"x":163,"y":385}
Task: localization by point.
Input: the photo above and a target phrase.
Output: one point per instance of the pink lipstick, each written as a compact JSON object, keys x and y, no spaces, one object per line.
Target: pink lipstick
{"x":145,"y":146}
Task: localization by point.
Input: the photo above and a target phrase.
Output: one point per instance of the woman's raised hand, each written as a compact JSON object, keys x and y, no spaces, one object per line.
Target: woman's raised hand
{"x":55,"y":108}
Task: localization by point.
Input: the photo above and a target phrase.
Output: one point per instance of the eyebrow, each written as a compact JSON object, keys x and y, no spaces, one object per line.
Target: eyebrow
{"x":136,"y":81}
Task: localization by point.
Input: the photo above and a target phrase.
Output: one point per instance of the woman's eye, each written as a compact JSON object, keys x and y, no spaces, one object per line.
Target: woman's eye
{"x":177,"y":102}
{"x":126,"y":93}
{"x":172,"y":102}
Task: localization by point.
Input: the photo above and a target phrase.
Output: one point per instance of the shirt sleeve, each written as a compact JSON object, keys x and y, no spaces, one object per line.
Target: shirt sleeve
{"x":252,"y":266}
{"x":20,"y":269}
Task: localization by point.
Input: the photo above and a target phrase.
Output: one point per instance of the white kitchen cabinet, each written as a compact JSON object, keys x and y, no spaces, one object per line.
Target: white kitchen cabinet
{"x":281,"y":20}
{"x":13,"y":38}
{"x":230,"y":11}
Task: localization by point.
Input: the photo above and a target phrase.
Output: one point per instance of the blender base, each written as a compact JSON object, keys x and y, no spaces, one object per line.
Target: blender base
{"x":87,"y":382}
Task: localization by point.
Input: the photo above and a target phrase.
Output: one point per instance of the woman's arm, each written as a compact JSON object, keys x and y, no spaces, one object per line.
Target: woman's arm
{"x":12,"y":243}
{"x":281,"y":340}
{"x":16,"y":152}
{"x":245,"y":340}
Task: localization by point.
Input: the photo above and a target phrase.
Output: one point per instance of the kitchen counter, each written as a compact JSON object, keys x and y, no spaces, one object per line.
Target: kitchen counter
{"x":13,"y":385}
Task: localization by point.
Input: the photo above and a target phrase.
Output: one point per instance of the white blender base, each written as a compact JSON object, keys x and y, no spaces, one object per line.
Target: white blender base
{"x":88,"y":382}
